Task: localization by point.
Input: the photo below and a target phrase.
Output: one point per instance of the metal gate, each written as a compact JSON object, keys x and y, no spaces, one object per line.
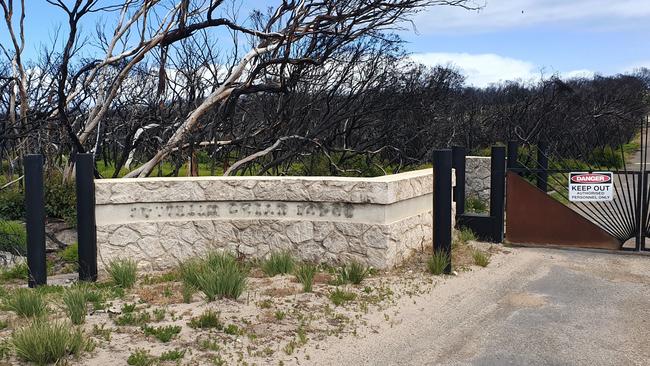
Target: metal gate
{"x":538,"y":208}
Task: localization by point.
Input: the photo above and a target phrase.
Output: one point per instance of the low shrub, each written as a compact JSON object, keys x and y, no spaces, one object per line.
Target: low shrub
{"x":209,"y":319}
{"x":354,"y":272}
{"x":340,"y":297}
{"x":480,"y":258}
{"x":123,"y":272}
{"x":305,"y":274}
{"x":437,"y":263}
{"x":70,"y":254}
{"x":12,"y":204}
{"x":13,"y":237}
{"x":172,"y":355}
{"x":140,"y":357}
{"x":43,"y":343}
{"x":61,"y":200}
{"x":18,"y":272}
{"x":163,"y":334}
{"x":278,"y":263}
{"x":473,"y":204}
{"x":74,"y":300}
{"x":466,"y":235}
{"x":26,"y":303}
{"x":217,"y":276}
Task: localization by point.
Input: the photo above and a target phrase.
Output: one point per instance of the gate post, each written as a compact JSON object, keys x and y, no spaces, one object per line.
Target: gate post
{"x":497,"y":190}
{"x":513,"y":155}
{"x":35,"y":220}
{"x":458,"y":163}
{"x":86,"y":230}
{"x":542,"y":166}
{"x":442,"y":203}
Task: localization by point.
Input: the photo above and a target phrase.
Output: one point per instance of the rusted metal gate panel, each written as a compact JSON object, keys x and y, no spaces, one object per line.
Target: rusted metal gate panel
{"x":532,"y":217}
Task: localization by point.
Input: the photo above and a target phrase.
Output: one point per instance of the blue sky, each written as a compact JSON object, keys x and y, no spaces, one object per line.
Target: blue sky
{"x":506,"y":39}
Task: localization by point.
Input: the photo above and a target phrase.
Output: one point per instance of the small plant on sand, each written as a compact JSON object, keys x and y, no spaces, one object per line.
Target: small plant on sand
{"x":209,"y":319}
{"x":74,"y":300}
{"x":217,"y":276}
{"x":187,"y":291}
{"x":172,"y":355}
{"x":480,"y":258}
{"x":278,"y":263}
{"x":123,"y":272}
{"x":354,"y":272}
{"x":26,"y":303}
{"x":279,"y":314}
{"x":340,"y":297}
{"x":466,"y":235}
{"x":140,"y":357}
{"x":437,"y":263}
{"x":305,"y":274}
{"x":18,"y":272}
{"x":42,"y":342}
{"x":163,"y":334}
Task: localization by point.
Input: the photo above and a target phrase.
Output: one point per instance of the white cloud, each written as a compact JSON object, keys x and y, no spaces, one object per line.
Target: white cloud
{"x":481,"y":70}
{"x":636,"y":65}
{"x":500,"y":14}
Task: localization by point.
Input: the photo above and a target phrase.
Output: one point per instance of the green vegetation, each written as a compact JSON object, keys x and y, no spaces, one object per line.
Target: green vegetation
{"x":163,"y":334}
{"x":70,"y":254}
{"x":473,"y":204}
{"x":217,"y":276}
{"x":305,"y":274}
{"x":278,"y":263}
{"x":437,"y":263}
{"x":466,"y":235}
{"x":208,"y":319}
{"x":480,"y":258}
{"x":61,"y":200}
{"x":42,"y":342}
{"x":13,"y":237}
{"x":172,"y":355}
{"x":26,"y":303}
{"x":354,"y":272}
{"x":18,"y":272}
{"x":123,"y":272}
{"x":140,"y":357}
{"x":340,"y":297}
{"x":74,"y":300}
{"x":12,"y":204}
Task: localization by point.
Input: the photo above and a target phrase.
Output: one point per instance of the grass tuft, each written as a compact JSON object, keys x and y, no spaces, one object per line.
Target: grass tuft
{"x":123,"y":272}
{"x":480,"y":258}
{"x":278,"y":263}
{"x":209,"y":319}
{"x":437,"y":263}
{"x":466,"y":235}
{"x":305,"y":274}
{"x":140,"y":357}
{"x":74,"y":300}
{"x":26,"y":303}
{"x":42,"y":342}
{"x":354,"y":272}
{"x":19,"y":271}
{"x":340,"y":297}
{"x":163,"y":334}
{"x":217,"y":276}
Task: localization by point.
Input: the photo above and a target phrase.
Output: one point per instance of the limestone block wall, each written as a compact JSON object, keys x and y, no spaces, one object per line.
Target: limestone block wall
{"x":162,"y":221}
{"x":477,"y":177}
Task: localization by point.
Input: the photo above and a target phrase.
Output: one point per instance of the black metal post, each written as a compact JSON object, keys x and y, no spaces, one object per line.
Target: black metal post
{"x":498,"y":190}
{"x":458,"y":163}
{"x":513,"y":154}
{"x":86,"y":230}
{"x":542,"y":166}
{"x":442,"y":203}
{"x":35,"y":220}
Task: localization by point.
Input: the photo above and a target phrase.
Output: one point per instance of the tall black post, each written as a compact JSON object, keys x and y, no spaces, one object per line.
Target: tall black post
{"x":542,"y":166}
{"x":35,"y":220}
{"x":86,"y":230}
{"x":513,"y":154}
{"x":442,"y":203}
{"x":498,"y":191}
{"x":458,"y":163}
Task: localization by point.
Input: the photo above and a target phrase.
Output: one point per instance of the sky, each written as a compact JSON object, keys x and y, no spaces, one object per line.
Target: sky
{"x":503,"y":40}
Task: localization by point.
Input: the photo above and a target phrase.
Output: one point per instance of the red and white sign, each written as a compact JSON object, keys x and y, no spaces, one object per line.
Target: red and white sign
{"x":591,"y":187}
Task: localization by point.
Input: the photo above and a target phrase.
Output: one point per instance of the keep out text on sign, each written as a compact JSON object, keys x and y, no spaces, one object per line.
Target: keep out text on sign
{"x":590,"y":187}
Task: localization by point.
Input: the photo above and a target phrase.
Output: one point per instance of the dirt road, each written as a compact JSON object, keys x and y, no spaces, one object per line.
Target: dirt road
{"x":529,"y":307}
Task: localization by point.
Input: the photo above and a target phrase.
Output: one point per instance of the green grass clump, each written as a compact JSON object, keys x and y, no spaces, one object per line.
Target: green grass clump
{"x":43,"y":343}
{"x":354,"y":272}
{"x":172,"y":355}
{"x":70,"y":254}
{"x":123,"y":272}
{"x":13,"y":237}
{"x":340,"y":297}
{"x":437,"y":263}
{"x":480,"y":258}
{"x":163,"y":334}
{"x":278,"y":263}
{"x":26,"y":303}
{"x":74,"y":300}
{"x":209,"y":319}
{"x":18,"y":272}
{"x":305,"y":274}
{"x":217,"y":276}
{"x":466,"y":235}
{"x":140,"y":357}
{"x":474,"y":204}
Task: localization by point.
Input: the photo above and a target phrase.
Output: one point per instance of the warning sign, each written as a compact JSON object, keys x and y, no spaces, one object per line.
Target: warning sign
{"x":589,"y":187}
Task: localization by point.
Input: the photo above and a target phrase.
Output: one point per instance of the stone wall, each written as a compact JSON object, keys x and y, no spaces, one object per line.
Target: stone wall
{"x":161,"y":221}
{"x":477,"y":178}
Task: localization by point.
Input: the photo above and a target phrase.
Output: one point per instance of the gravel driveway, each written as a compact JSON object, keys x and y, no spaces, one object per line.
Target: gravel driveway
{"x":529,"y":307}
